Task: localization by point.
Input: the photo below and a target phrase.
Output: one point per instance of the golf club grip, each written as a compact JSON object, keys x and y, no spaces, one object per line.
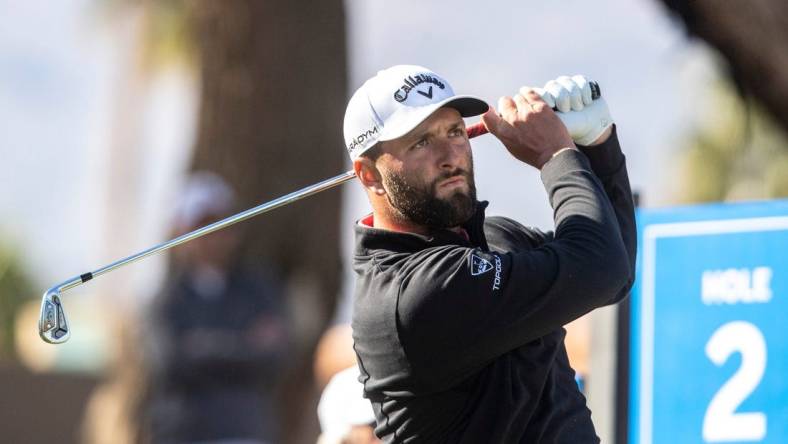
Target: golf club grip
{"x":478,"y":129}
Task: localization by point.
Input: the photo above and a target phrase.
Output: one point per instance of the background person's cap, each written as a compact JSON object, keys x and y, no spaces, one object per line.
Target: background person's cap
{"x":342,"y":406}
{"x":397,"y":100}
{"x":204,"y":194}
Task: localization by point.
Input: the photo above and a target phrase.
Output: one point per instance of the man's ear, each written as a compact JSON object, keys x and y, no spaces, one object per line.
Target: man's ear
{"x":369,"y":175}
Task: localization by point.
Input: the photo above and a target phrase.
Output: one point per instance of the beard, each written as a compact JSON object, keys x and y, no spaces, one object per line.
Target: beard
{"x":418,"y":202}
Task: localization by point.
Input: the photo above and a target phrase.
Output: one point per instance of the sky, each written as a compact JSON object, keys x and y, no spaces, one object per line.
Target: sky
{"x":66,"y":95}
{"x":52,"y":80}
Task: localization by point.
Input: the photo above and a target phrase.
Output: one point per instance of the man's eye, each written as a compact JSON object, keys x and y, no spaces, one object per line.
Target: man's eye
{"x":420,"y":144}
{"x":457,"y":132}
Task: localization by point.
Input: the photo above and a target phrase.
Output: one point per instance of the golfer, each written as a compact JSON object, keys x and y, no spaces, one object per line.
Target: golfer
{"x":458,"y":317}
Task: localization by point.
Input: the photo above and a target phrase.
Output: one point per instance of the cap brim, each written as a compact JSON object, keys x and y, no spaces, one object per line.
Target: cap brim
{"x":467,"y":106}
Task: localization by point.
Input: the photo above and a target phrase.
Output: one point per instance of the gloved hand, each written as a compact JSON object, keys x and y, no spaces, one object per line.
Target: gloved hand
{"x":584,"y":118}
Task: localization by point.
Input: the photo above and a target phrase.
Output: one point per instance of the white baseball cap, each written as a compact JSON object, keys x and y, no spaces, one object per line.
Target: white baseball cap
{"x":397,"y":100}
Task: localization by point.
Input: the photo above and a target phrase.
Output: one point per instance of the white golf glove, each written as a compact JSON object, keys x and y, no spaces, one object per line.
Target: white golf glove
{"x":586,"y":119}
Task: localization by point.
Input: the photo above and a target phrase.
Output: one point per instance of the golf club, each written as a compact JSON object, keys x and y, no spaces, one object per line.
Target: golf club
{"x":52,"y":323}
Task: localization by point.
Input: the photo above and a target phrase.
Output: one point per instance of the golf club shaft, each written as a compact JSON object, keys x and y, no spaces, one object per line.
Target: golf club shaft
{"x":475,"y":130}
{"x":252,"y":212}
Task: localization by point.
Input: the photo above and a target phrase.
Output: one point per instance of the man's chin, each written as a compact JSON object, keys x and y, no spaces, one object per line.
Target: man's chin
{"x":464,"y":206}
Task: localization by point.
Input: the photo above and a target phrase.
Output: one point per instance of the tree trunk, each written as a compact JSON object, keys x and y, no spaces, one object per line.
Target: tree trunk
{"x":753,"y":36}
{"x":273,"y":93}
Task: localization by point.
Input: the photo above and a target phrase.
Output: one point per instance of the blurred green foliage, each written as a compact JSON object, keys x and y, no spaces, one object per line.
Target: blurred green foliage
{"x":167,"y":35}
{"x":16,"y":288}
{"x":737,"y":153}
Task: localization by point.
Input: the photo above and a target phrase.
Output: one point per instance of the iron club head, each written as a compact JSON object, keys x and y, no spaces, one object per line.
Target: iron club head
{"x":52,"y":324}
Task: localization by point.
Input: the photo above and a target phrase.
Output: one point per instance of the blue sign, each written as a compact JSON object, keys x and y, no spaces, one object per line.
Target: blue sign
{"x":709,"y":344}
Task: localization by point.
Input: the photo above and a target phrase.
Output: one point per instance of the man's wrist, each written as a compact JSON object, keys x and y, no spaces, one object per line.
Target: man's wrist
{"x":558,"y":166}
{"x":555,"y":154}
{"x":566,"y":148}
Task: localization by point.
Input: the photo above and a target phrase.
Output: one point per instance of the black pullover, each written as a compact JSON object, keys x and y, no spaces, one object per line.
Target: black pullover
{"x":462,"y":341}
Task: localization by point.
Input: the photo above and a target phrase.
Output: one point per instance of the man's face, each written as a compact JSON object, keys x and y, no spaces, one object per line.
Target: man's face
{"x":428,"y":173}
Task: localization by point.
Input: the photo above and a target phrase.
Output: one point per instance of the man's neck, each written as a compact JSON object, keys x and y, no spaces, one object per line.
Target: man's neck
{"x":385,"y":222}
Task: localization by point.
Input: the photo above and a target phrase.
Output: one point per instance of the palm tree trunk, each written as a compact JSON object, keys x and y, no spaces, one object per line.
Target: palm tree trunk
{"x":273,"y":92}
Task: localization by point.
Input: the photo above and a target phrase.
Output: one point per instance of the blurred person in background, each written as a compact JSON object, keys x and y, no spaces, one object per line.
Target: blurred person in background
{"x":218,"y":335}
{"x":346,"y":417}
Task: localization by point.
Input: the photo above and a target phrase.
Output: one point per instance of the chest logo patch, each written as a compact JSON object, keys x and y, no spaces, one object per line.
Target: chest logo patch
{"x":479,"y":265}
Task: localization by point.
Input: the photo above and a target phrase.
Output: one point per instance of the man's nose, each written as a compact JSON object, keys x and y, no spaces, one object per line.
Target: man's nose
{"x":451,"y":153}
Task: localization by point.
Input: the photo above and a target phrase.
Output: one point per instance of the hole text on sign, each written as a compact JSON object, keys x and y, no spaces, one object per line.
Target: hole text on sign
{"x":736,"y":285}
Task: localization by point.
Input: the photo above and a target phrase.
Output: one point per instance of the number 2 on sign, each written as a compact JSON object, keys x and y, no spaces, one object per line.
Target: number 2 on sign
{"x":721,"y":422}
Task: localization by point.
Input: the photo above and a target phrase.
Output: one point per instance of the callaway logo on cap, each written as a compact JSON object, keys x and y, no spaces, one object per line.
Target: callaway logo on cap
{"x":397,"y":100}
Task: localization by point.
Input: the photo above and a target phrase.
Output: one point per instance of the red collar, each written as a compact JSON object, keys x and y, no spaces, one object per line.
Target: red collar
{"x":368,"y":221}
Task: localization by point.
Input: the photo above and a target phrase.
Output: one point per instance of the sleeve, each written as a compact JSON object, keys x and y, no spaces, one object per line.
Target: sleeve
{"x":507,"y":235}
{"x":459,"y":308}
{"x":609,"y":164}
